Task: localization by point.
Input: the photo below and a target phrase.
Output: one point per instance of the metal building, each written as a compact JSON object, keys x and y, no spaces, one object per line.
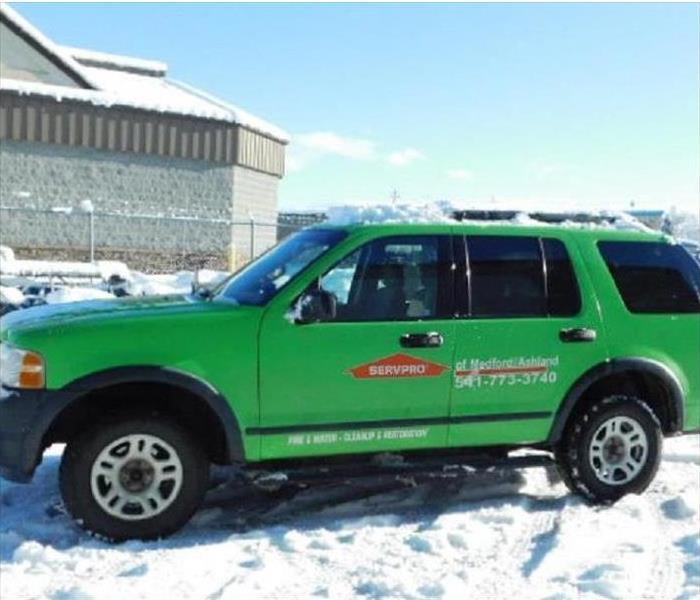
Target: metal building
{"x":78,"y":127}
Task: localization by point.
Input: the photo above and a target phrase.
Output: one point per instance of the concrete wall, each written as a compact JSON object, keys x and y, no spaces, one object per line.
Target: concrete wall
{"x":45,"y":176}
{"x":255,"y":195}
{"x":41,"y":176}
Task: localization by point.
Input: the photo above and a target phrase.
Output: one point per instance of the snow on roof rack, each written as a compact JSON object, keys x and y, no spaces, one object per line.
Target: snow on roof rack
{"x":445,"y":212}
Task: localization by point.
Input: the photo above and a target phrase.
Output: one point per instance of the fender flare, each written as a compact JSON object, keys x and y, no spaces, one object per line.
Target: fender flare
{"x":59,"y":400}
{"x":615,"y":366}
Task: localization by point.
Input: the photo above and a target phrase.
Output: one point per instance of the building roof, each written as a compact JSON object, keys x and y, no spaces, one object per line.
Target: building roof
{"x":111,"y":80}
{"x":117,"y":62}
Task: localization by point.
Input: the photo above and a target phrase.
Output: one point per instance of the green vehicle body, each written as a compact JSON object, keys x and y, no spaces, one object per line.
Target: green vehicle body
{"x":273,"y":388}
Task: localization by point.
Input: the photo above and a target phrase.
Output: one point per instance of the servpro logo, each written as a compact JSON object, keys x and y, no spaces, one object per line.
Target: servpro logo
{"x":398,"y":366}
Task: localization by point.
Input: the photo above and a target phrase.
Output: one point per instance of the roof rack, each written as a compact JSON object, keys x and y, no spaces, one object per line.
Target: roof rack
{"x":553,"y":218}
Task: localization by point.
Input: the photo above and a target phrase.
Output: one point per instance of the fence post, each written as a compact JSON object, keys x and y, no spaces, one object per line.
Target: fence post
{"x":92,"y":236}
{"x":88,"y":207}
{"x":233,"y":241}
{"x":252,"y":237}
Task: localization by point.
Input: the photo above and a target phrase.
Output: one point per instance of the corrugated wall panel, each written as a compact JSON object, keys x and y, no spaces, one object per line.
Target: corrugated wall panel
{"x":148,"y":135}
{"x":3,"y":121}
{"x":16,"y":123}
{"x":99,"y":131}
{"x":29,"y":118}
{"x":32,"y":118}
{"x":260,"y":152}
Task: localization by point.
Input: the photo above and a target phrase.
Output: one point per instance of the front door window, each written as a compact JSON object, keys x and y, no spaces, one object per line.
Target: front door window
{"x":394,"y":279}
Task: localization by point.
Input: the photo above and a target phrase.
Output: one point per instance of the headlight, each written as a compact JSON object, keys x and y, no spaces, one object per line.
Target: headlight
{"x":21,"y":368}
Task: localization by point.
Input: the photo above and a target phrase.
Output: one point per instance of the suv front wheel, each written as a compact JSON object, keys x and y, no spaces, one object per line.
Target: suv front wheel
{"x":137,"y":477}
{"x":611,"y":449}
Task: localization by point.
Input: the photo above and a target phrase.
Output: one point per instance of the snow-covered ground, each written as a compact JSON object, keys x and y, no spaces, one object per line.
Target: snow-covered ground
{"x":56,"y":282}
{"x":502,"y":535}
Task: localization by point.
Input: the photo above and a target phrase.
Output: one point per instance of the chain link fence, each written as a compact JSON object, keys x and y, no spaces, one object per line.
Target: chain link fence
{"x":149,"y":243}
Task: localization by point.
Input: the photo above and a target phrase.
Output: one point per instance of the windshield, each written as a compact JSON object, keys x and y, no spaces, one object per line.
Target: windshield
{"x":257,"y":283}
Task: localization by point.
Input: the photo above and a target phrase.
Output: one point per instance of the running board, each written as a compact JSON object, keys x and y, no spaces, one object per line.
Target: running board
{"x":424,"y":469}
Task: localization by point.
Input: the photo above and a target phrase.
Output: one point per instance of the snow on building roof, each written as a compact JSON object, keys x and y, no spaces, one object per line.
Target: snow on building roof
{"x":92,"y":58}
{"x":113,"y":80}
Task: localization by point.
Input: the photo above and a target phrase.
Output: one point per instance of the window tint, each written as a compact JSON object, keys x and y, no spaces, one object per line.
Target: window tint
{"x":396,"y":278}
{"x":654,"y":277}
{"x":563,"y":295}
{"x":507,"y":277}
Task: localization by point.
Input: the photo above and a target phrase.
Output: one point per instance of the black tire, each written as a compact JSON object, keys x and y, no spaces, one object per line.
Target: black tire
{"x":76,"y":479}
{"x":576,"y":465}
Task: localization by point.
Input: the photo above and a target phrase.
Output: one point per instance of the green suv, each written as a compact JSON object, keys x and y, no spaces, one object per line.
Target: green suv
{"x":441,"y":341}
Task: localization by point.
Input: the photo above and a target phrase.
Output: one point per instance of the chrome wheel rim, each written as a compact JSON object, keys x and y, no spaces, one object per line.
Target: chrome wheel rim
{"x":618,"y":450}
{"x":136,"y":477}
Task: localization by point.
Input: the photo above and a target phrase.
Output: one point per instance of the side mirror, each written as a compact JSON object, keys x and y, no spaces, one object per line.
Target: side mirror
{"x":314,"y":306}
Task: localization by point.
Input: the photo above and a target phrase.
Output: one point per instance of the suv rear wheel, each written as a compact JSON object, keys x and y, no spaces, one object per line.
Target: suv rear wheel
{"x":138,"y":477}
{"x":611,"y":449}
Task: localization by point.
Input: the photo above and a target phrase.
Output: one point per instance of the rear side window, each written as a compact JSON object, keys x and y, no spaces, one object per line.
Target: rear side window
{"x":563,"y":296}
{"x":653,"y":277}
{"x":506,"y":276}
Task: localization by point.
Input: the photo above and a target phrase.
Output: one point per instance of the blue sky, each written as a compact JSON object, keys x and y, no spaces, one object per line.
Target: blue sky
{"x":585,"y":104}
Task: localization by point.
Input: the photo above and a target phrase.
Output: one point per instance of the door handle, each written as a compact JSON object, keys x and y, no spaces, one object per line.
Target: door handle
{"x":431,"y":339}
{"x":578,"y":334}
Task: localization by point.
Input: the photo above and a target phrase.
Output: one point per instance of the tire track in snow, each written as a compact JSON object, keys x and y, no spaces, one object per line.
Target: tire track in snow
{"x":539,"y":540}
{"x":670,"y":573}
{"x":542,"y":544}
{"x":520,"y":553}
{"x":665,"y":575}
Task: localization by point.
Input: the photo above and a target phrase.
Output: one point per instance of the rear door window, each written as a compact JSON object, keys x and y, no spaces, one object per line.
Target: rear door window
{"x":520,"y":276}
{"x":653,"y":277}
{"x":563,"y":295}
{"x":506,"y":276}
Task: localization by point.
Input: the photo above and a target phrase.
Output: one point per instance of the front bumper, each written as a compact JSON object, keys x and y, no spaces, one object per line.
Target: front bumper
{"x":20,"y":438}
